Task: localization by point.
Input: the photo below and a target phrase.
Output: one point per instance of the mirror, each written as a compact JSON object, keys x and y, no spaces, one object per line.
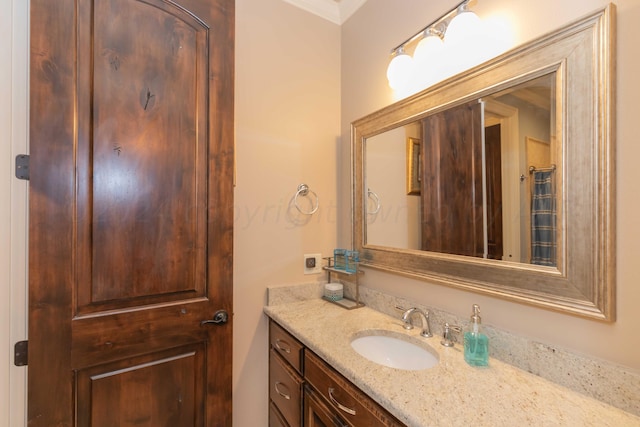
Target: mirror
{"x":516,"y":148}
{"x":500,"y":180}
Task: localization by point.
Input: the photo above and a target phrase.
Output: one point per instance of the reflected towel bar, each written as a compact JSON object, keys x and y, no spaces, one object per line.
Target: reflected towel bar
{"x":533,"y":169}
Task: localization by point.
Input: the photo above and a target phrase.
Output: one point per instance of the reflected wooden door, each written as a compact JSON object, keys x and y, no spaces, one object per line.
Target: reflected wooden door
{"x":131,"y":213}
{"x":493,"y":158}
{"x":451,"y":192}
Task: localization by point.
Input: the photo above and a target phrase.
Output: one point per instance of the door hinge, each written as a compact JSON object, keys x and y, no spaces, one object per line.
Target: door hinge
{"x":22,"y":166}
{"x":21,"y":353}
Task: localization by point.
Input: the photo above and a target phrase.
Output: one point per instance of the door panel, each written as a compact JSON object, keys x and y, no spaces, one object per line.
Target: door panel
{"x":131,"y":212}
{"x":143,"y":154}
{"x":155,"y":390}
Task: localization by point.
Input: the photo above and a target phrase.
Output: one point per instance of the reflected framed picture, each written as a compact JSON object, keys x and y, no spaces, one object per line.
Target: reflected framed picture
{"x":413,"y":166}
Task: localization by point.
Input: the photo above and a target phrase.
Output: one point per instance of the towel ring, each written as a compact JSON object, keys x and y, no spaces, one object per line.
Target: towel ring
{"x":303,"y":190}
{"x":373,"y":196}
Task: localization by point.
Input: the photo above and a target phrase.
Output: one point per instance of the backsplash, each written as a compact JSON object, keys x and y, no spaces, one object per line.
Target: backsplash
{"x":598,"y":379}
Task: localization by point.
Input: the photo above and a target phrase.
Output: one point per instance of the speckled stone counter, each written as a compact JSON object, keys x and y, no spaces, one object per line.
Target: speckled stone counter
{"x":450,"y":394}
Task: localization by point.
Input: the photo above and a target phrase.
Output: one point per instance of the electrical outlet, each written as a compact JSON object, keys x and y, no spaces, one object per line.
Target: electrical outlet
{"x":312,"y":263}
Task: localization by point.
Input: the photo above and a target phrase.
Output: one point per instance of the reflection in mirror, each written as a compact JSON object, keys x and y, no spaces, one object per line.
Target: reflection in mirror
{"x":487,"y":190}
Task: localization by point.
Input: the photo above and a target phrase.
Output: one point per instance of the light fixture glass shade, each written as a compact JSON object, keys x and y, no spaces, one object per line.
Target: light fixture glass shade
{"x":427,"y":59}
{"x":464,"y":42}
{"x":428,"y":50}
{"x":400,"y":70}
{"x":464,"y":27}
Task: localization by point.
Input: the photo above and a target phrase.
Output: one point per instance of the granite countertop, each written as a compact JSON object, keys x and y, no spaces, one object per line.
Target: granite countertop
{"x":450,"y":394}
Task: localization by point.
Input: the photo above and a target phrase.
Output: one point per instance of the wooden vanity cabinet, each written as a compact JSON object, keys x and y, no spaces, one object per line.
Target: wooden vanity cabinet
{"x":285,"y":378}
{"x":305,"y":391}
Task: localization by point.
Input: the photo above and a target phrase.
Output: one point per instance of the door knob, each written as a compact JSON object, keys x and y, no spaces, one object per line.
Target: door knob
{"x":220,"y":317}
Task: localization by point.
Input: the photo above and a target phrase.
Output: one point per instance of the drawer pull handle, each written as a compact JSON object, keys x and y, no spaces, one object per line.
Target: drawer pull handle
{"x":285,"y":395}
{"x":283,"y":346}
{"x":338,"y":404}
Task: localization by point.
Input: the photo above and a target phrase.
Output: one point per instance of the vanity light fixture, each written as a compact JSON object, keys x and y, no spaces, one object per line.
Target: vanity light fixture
{"x":400,"y":68}
{"x":445,"y":34}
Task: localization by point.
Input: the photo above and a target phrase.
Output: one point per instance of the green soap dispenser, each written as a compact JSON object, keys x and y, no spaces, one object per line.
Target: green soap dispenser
{"x":476,"y":344}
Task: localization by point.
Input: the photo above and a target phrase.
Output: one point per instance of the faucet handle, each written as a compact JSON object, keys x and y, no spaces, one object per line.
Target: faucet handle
{"x":448,"y":339}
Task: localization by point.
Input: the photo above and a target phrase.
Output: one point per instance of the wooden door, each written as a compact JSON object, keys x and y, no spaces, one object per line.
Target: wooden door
{"x":451,"y":191}
{"x":493,"y":156}
{"x":131,"y":213}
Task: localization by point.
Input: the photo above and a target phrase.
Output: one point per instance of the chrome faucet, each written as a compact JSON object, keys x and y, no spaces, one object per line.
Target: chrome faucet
{"x":426,"y":327}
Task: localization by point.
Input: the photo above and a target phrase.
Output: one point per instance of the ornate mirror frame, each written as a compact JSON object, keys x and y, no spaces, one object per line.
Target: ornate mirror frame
{"x":583,"y":56}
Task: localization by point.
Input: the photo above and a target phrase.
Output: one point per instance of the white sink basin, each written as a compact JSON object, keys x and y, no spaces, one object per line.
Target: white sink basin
{"x":394,"y":351}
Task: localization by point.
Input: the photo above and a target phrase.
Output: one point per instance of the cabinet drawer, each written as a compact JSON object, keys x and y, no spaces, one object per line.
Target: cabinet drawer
{"x":286,"y":345}
{"x":285,"y":389}
{"x":353,"y":405}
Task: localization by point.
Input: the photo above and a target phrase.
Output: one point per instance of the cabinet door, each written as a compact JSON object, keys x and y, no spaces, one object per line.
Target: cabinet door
{"x":275,"y":417}
{"x":343,"y":397}
{"x":316,"y":414}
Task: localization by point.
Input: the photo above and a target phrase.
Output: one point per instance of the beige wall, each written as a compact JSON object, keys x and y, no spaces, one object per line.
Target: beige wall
{"x":287,"y":129}
{"x":364,"y":92}
{"x":397,"y":220}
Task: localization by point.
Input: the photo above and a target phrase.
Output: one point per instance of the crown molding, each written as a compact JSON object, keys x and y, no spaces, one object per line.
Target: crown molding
{"x":336,"y":11}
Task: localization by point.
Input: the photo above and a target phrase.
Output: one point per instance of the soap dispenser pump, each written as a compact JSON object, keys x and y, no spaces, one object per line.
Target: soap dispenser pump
{"x":476,"y":344}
